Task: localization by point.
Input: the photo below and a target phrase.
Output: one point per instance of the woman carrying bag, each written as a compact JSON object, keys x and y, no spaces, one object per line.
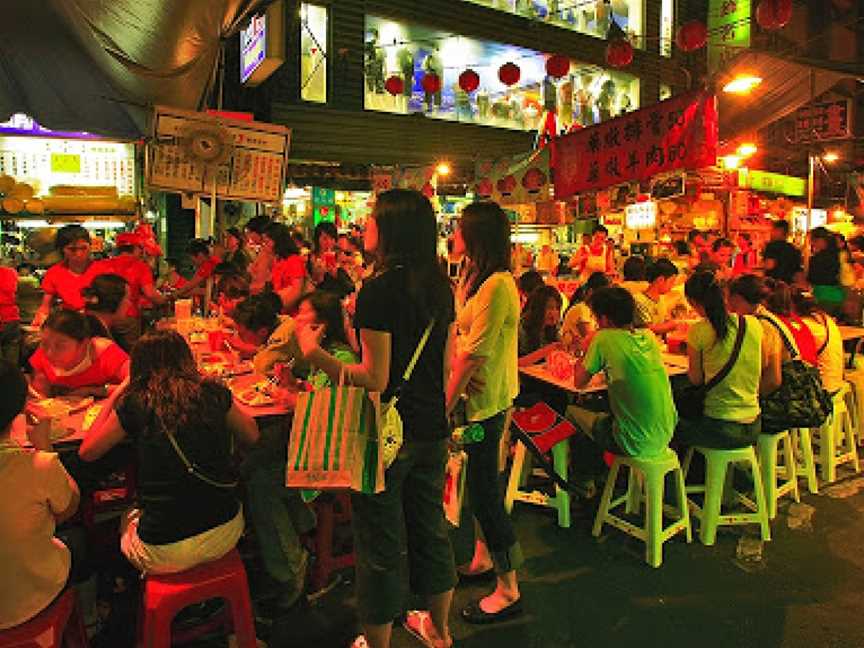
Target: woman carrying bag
{"x":394,"y":309}
{"x":488,"y":357}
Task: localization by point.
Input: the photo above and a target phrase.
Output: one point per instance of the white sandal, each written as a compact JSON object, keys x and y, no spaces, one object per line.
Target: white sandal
{"x":360,"y":642}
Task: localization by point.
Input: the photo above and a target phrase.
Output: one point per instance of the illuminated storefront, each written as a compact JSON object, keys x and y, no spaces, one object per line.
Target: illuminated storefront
{"x":399,"y":55}
{"x":592,"y":17}
{"x":313,"y":53}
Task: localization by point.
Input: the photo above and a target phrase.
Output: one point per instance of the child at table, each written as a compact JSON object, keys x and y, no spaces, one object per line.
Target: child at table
{"x":34,"y":565}
{"x":105,"y":302}
{"x":643,"y":413}
{"x":651,"y":309}
{"x":265,"y":335}
{"x":71,"y":360}
{"x":183,"y":428}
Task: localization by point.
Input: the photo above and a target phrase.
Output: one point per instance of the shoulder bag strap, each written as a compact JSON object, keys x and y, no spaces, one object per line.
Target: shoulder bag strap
{"x":827,"y":335}
{"x":789,"y":346}
{"x":192,"y":469}
{"x":418,"y":351}
{"x":733,"y":357}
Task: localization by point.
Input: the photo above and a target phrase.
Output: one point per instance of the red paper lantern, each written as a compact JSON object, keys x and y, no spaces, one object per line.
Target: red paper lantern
{"x":431,"y":83}
{"x":506,"y":185}
{"x":428,"y":190}
{"x":394,"y":85}
{"x":484,"y":188}
{"x":692,"y":36}
{"x":509,"y":74}
{"x":619,"y":53}
{"x":469,"y":80}
{"x":774,"y":14}
{"x":533,"y":180}
{"x":557,"y":66}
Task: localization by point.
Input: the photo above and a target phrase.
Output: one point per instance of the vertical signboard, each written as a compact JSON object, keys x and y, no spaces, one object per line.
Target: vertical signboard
{"x":728,"y":30}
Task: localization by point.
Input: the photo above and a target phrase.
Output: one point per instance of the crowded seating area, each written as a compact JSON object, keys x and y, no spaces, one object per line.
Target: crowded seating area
{"x":217,"y":450}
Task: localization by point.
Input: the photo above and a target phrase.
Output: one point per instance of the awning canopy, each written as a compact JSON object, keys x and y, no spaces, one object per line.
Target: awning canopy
{"x":786,"y":86}
{"x":100,"y":66}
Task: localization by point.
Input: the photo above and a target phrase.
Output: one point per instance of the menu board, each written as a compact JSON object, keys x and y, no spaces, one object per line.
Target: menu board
{"x":248,"y":158}
{"x":44,"y":162}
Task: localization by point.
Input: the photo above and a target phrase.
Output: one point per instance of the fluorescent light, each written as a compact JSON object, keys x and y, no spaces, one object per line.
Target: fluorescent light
{"x":94,"y":224}
{"x":742,"y":84}
{"x":830,"y":157}
{"x":731,"y":162}
{"x":747,"y":149}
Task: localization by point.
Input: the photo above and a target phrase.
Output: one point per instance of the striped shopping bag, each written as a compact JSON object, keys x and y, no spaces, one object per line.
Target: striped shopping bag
{"x":335,"y":441}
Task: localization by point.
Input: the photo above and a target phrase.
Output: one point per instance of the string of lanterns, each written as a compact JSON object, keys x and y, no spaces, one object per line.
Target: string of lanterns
{"x":771,"y":15}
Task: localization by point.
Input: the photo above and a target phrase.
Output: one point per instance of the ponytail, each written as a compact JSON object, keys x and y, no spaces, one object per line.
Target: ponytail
{"x":702,"y":288}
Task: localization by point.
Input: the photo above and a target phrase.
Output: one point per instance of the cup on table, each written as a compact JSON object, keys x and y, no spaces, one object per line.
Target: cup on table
{"x":183,"y":309}
{"x":216,"y":339}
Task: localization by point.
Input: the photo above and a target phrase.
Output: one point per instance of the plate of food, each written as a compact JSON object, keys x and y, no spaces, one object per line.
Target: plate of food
{"x":258,"y":394}
{"x":215,"y":366}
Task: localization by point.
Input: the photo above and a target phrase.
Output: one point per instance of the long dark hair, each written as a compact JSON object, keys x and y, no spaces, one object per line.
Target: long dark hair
{"x":164,"y":379}
{"x":702,"y":288}
{"x":328,"y":311}
{"x":408,"y":237}
{"x":105,"y":294}
{"x":284,"y":245}
{"x":534,"y":314}
{"x":486,"y":232}
{"x":779,"y":300}
{"x":751,"y":288}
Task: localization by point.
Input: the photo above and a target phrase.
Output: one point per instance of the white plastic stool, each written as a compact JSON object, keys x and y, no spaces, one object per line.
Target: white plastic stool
{"x":836,"y":439}
{"x":767,"y":447}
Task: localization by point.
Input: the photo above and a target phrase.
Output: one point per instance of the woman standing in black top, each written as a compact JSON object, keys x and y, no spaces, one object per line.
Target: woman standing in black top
{"x":175,"y":418}
{"x":394,"y":307}
{"x":824,"y":270}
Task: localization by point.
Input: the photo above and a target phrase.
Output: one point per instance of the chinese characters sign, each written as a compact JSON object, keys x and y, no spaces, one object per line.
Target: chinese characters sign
{"x":680,"y":133}
{"x":252,"y":168}
{"x":728,"y":30}
{"x":820,"y":121}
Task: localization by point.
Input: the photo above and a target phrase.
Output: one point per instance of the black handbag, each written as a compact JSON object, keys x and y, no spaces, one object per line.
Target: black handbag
{"x":800,"y":401}
{"x":690,"y":400}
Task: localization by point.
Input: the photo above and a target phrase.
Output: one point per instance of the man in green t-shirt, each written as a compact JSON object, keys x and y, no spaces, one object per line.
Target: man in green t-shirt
{"x":643,"y":413}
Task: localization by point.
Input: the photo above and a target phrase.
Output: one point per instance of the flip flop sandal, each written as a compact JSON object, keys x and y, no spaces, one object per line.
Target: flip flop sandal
{"x":359,"y":642}
{"x":422,"y":622}
{"x":474,"y":614}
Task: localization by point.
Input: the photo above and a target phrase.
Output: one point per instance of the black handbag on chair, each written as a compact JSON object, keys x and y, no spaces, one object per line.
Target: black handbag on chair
{"x":690,"y":400}
{"x":800,"y":401}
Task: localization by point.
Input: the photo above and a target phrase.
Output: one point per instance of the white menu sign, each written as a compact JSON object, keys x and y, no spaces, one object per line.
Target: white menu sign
{"x":252,"y":168}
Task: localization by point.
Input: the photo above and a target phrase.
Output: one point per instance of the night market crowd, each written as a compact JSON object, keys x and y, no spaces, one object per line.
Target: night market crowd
{"x":353,"y":308}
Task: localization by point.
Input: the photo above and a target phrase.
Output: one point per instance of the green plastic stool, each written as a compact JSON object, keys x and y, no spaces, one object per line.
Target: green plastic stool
{"x":767,"y":447}
{"x":716,"y":483}
{"x":836,"y":431}
{"x":805,"y":463}
{"x":522,"y":469}
{"x":646,"y":481}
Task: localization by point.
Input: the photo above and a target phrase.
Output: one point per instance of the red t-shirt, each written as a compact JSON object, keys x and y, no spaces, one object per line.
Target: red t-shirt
{"x":136,"y":273}
{"x":205,"y":270}
{"x":8,"y":287}
{"x":287,"y":271}
{"x":803,"y":338}
{"x":65,"y":285}
{"x":105,"y":367}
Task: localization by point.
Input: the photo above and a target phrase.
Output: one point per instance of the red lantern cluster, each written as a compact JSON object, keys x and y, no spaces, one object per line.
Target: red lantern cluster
{"x":506,"y":185}
{"x":469,"y":81}
{"x":431,"y":83}
{"x":394,"y":85}
{"x":774,"y":14}
{"x":509,"y":74}
{"x":692,"y":35}
{"x":533,"y":180}
{"x":557,"y":66}
{"x":619,"y":53}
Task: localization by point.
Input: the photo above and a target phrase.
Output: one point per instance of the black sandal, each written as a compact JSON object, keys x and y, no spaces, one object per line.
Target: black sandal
{"x":473,"y":613}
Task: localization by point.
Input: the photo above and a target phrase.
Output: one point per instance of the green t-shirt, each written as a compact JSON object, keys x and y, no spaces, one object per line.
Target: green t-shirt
{"x":639,"y":392}
{"x":736,"y":398}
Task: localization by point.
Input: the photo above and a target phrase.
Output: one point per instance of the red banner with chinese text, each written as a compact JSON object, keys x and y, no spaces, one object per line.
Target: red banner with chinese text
{"x":679,"y":133}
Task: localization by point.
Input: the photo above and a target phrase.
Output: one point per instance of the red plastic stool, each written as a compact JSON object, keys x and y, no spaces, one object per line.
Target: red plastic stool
{"x":166,"y":594}
{"x":60,"y":624}
{"x":330,"y":509}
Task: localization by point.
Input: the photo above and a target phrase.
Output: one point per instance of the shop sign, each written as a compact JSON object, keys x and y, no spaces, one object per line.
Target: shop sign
{"x":253,"y":46}
{"x":246,"y":159}
{"x":516,"y":180}
{"x":262,"y":47}
{"x":728,"y":30}
{"x":821,"y":121}
{"x":679,"y":133}
{"x":771,"y":182}
{"x":804,"y":219}
{"x":641,"y":215}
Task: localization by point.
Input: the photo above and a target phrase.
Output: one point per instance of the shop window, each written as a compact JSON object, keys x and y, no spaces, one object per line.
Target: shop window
{"x":667,"y":27}
{"x":398,"y":56}
{"x":313,"y":53}
{"x":592,"y":17}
